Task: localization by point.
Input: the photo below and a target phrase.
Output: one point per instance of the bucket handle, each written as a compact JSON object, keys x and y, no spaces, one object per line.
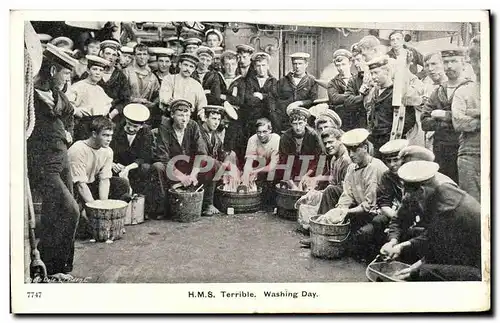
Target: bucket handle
{"x":338,"y":241}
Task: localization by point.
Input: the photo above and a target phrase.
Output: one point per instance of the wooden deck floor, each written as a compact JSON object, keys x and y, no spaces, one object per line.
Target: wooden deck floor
{"x":252,"y":248}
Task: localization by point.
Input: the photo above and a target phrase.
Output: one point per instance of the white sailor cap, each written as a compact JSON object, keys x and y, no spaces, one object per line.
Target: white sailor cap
{"x":300,"y":55}
{"x":414,"y":152}
{"x":131,"y":44}
{"x":231,"y":54}
{"x":189,"y":57}
{"x":298,"y":110}
{"x":354,"y":137}
{"x":261,"y":55}
{"x":245,"y":48}
{"x":62,"y":41}
{"x":175,"y":40}
{"x":214,"y":31}
{"x":418,"y":171}
{"x":161,"y":51}
{"x":332,"y":115}
{"x":127,"y":50}
{"x":193,"y":41}
{"x":56,"y":55}
{"x":204,"y":50}
{"x":135,"y":112}
{"x":110,"y":43}
{"x":214,"y":108}
{"x":94,"y":60}
{"x":393,"y":147}
{"x":342,"y":53}
{"x":230,"y":111}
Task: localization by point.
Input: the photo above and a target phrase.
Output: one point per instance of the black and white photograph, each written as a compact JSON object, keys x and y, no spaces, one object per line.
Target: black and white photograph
{"x":244,"y":163}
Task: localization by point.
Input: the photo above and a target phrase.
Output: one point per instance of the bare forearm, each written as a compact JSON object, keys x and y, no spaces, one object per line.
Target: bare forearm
{"x":104,"y":189}
{"x":84,"y":191}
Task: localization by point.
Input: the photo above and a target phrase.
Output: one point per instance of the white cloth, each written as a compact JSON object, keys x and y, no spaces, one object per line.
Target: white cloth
{"x":89,"y":97}
{"x":87,"y":163}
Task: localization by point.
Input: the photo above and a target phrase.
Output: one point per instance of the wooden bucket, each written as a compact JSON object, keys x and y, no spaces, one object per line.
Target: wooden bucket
{"x":106,"y":219}
{"x":240,"y":202}
{"x":185,"y":206}
{"x":285,"y":202}
{"x":328,"y":241}
{"x":135,"y":211}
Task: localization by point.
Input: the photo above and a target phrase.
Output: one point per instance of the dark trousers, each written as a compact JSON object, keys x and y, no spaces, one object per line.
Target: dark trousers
{"x":59,"y":221}
{"x":367,"y":230}
{"x":330,"y":198}
{"x":139,"y":178}
{"x":437,"y":272}
{"x":446,"y":157}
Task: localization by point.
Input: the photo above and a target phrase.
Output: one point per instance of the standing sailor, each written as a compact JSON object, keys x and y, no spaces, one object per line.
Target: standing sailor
{"x":183,"y":86}
{"x":436,"y":115}
{"x":244,"y":59}
{"x":48,"y":167}
{"x":191,"y":45}
{"x":114,"y":82}
{"x":144,"y":84}
{"x":297,"y":85}
{"x":88,"y":98}
{"x":209,"y":80}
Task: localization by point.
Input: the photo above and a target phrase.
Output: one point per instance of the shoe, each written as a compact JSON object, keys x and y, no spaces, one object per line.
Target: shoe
{"x":306,"y":243}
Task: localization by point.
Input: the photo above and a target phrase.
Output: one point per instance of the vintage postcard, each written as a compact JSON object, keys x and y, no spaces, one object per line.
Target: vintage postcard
{"x":250,"y":161}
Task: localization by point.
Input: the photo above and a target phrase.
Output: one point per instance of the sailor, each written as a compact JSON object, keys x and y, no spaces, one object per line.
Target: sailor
{"x":191,"y":45}
{"x":436,"y":115}
{"x":183,"y":86}
{"x":260,"y":93}
{"x":213,"y":38}
{"x":132,"y":147}
{"x":356,"y":89}
{"x":466,"y":119}
{"x":126,"y":56}
{"x":390,"y":188}
{"x":297,"y":85}
{"x":244,"y":59}
{"x":298,"y":141}
{"x":452,"y":249}
{"x":114,"y":82}
{"x":89,"y":98}
{"x":328,"y":119}
{"x":177,"y":135}
{"x":337,"y":86}
{"x":210,"y":80}
{"x":359,"y":196}
{"x":164,"y":58}
{"x":378,"y":103}
{"x":47,"y":161}
{"x":144,"y":84}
